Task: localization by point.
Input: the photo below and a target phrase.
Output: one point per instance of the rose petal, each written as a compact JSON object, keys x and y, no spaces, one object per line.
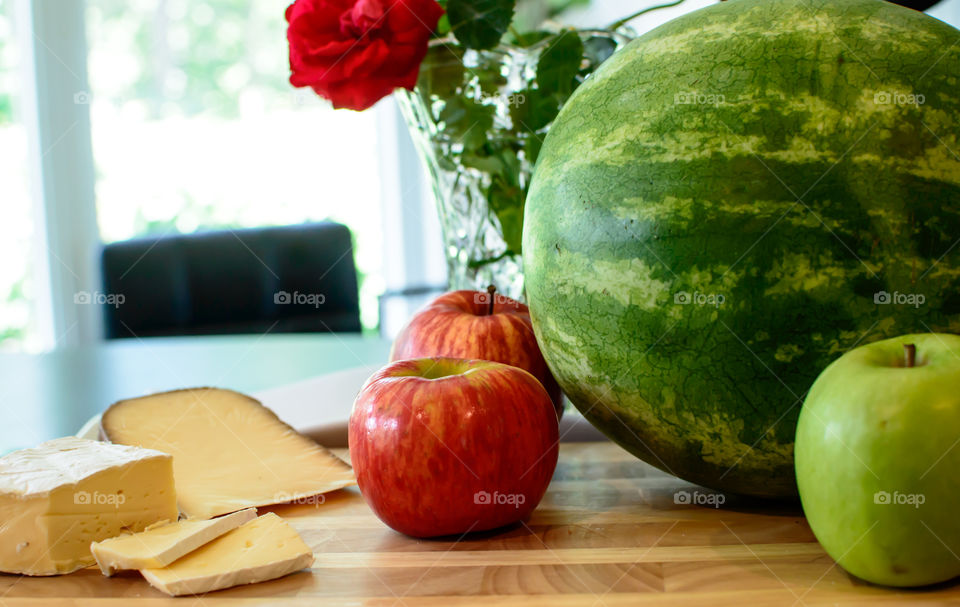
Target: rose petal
{"x":354,"y":52}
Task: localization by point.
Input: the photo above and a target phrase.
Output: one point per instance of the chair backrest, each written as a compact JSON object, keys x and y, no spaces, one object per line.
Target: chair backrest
{"x":289,"y":279}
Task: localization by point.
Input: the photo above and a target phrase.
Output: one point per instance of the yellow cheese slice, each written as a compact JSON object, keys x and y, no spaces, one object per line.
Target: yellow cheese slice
{"x":229,"y":451}
{"x":160,"y":545}
{"x":263,"y":549}
{"x":58,"y":497}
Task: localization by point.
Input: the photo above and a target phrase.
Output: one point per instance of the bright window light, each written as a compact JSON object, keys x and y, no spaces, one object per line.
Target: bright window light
{"x":17,"y":312}
{"x":195,"y":126}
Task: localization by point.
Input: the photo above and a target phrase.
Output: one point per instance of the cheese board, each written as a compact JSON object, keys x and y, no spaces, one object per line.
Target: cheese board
{"x":611,"y":530}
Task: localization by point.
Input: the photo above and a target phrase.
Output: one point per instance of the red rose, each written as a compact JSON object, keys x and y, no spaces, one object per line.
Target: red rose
{"x":354,"y":52}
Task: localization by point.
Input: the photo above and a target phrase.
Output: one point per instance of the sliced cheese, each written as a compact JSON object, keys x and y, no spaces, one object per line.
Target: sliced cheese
{"x":263,"y":549}
{"x":160,"y":545}
{"x":60,"y":496}
{"x":229,"y":451}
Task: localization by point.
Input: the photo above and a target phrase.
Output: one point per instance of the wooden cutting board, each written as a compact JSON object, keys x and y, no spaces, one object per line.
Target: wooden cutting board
{"x":608,"y":533}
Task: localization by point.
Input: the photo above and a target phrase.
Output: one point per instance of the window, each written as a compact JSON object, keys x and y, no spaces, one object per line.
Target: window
{"x":195,"y":126}
{"x":17,"y":314}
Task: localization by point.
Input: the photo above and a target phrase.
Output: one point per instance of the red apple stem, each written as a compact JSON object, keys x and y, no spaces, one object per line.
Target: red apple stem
{"x":491,"y":290}
{"x":910,"y":354}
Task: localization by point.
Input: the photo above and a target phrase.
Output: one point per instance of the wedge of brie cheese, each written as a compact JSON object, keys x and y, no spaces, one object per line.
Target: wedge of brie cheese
{"x":229,"y":451}
{"x":57,"y":498}
{"x":163,"y":543}
{"x":263,"y":549}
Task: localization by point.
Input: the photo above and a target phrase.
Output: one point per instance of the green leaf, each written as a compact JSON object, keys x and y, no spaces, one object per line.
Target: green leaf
{"x":443,"y":26}
{"x":489,"y":73}
{"x":511,"y":168}
{"x":483,"y":162}
{"x":467,"y":121}
{"x":559,"y":64}
{"x":506,"y":202}
{"x":535,"y":112}
{"x":531,"y":148}
{"x":442,"y":71}
{"x":529,"y":38}
{"x":498,"y":161}
{"x":479,"y":24}
{"x":446,"y":162}
{"x":559,"y":6}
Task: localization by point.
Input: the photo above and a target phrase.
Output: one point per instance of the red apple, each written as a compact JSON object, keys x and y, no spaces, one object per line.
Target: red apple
{"x":477,"y":324}
{"x":444,"y":446}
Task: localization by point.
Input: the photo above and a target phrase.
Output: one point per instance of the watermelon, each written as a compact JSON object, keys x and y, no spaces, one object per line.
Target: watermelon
{"x":731,"y":202}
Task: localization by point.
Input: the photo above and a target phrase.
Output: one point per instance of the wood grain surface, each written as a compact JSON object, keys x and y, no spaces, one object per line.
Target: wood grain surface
{"x":608,"y":533}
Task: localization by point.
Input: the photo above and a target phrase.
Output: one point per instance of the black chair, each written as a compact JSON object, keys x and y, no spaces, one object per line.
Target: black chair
{"x":291,"y":279}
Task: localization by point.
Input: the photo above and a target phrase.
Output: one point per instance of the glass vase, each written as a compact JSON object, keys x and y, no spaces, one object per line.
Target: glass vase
{"x":478,"y":119}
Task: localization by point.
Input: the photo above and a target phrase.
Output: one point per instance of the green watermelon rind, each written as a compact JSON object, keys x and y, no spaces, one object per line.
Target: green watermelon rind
{"x":744,"y":151}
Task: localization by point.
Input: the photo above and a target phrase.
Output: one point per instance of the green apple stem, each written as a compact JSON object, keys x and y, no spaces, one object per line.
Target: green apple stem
{"x":910,"y":354}
{"x":491,"y":290}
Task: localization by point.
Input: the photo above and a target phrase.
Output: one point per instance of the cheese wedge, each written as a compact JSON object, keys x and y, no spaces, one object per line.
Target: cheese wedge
{"x":229,"y":451}
{"x":263,"y":549}
{"x":161,"y":544}
{"x":57,"y":498}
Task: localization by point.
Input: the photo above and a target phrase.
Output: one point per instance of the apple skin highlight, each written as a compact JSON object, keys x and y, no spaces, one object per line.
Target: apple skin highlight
{"x":447,"y":446}
{"x":877,"y":462}
{"x":462,"y":324}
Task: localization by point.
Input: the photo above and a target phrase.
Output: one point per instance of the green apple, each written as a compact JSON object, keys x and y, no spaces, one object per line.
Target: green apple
{"x":878,"y":461}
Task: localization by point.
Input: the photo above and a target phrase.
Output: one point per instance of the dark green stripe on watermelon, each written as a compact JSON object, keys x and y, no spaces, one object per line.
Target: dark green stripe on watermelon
{"x":749,"y":151}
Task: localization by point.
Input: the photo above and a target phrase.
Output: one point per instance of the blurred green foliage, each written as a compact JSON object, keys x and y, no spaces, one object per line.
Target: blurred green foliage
{"x":7,"y":71}
{"x":185,"y":58}
{"x":531,"y":14}
{"x":14,"y":295}
{"x":196,"y":57}
{"x":190,"y":57}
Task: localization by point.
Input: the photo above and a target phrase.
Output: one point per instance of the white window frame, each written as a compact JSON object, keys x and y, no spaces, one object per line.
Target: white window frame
{"x":56,"y":115}
{"x":412,"y":243}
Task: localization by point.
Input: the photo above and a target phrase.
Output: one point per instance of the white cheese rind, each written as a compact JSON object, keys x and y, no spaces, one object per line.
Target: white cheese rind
{"x":48,"y":466}
{"x":58,"y":497}
{"x":160,"y":545}
{"x":263,"y":549}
